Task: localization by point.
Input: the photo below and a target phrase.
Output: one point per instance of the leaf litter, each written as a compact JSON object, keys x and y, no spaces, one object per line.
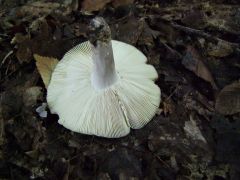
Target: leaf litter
{"x":195,"y":49}
{"x":45,"y":66}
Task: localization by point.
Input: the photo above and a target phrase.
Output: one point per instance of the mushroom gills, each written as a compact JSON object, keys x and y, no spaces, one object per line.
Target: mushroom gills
{"x":130,"y":102}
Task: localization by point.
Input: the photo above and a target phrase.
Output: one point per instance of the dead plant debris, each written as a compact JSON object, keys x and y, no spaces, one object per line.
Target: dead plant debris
{"x":193,"y":46}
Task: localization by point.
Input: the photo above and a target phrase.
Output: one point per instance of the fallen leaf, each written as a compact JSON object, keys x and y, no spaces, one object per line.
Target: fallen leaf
{"x":27,"y":46}
{"x":224,"y":18}
{"x":11,"y":102}
{"x":193,"y":131}
{"x":45,"y":66}
{"x":228,"y":100}
{"x":167,"y":34}
{"x":94,"y":5}
{"x":117,"y":3}
{"x":19,"y":38}
{"x":37,"y":9}
{"x":24,"y":52}
{"x":222,"y":49}
{"x":72,"y":4}
{"x":148,"y":35}
{"x":80,"y":29}
{"x":168,"y":107}
{"x":31,"y":95}
{"x":195,"y":19}
{"x":192,"y":61}
{"x":133,"y":27}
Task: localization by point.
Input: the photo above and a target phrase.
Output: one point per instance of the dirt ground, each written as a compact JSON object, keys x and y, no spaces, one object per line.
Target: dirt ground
{"x":195,"y":47}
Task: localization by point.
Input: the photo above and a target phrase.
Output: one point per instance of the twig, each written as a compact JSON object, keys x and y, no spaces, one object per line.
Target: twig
{"x":4,"y":35}
{"x":5,"y":58}
{"x":162,"y":161}
{"x":1,"y":125}
{"x":174,"y":91}
{"x":1,"y":80}
{"x":172,"y":50}
{"x":152,"y":153}
{"x":201,"y":33}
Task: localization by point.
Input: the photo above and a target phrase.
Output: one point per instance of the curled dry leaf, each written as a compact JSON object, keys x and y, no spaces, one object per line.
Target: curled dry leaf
{"x":228,"y":100}
{"x":192,"y":61}
{"x":94,"y":5}
{"x":45,"y":66}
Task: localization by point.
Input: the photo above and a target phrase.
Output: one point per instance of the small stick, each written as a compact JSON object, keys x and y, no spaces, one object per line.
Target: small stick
{"x":201,"y":33}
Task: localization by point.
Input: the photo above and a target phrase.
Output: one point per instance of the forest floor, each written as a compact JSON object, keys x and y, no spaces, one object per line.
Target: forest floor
{"x":195,"y":47}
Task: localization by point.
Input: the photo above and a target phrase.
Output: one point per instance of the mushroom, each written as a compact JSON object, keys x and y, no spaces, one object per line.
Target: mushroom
{"x":103,"y":87}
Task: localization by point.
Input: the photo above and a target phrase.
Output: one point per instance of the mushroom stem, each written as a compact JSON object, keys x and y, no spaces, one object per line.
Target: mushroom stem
{"x":103,"y":74}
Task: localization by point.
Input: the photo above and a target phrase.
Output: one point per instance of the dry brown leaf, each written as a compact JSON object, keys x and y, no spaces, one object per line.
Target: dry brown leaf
{"x":168,"y":107}
{"x":192,"y":61}
{"x":24,"y":52}
{"x":132,"y":26}
{"x":222,"y":49}
{"x":117,"y":3}
{"x":224,"y":18}
{"x":94,"y":5}
{"x":228,"y":100}
{"x":31,"y":95}
{"x":192,"y":129}
{"x":37,"y":8}
{"x":147,"y":35}
{"x":19,"y":38}
{"x":195,"y":19}
{"x":45,"y":66}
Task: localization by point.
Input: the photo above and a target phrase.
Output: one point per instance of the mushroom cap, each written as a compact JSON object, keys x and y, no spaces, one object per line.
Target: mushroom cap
{"x":131,"y":102}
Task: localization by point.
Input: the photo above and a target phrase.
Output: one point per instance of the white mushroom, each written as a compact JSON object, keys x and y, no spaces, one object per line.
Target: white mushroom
{"x":103,"y":87}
